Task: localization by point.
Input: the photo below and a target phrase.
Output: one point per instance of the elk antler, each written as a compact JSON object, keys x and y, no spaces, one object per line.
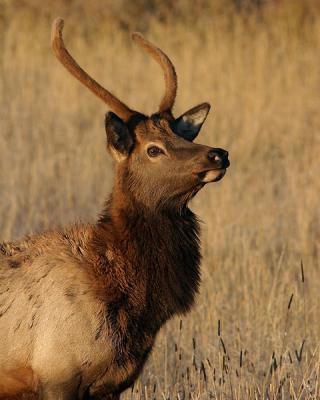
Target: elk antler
{"x":72,"y":66}
{"x":170,"y":75}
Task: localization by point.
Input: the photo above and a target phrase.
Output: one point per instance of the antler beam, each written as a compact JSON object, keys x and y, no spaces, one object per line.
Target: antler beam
{"x":170,"y":75}
{"x":72,"y":66}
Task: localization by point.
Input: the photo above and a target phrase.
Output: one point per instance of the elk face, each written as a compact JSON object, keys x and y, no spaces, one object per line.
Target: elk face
{"x":160,"y":163}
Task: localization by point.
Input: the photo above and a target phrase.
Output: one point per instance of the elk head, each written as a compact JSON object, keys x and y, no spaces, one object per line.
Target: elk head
{"x":158,"y":163}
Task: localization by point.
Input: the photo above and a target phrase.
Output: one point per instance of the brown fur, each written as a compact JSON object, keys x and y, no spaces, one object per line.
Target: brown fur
{"x":16,"y":381}
{"x":80,"y":307}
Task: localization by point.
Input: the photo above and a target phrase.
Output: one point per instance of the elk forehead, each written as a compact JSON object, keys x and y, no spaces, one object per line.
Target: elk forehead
{"x":158,"y":132}
{"x":153,"y":128}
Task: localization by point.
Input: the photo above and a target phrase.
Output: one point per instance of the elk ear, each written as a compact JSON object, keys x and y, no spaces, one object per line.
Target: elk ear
{"x":188,"y":125}
{"x":119,"y":140}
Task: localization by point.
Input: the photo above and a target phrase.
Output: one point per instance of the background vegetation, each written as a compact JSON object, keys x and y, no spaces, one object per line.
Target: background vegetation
{"x":254,"y":333}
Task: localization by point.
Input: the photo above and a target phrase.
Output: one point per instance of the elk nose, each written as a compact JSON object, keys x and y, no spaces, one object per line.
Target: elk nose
{"x":217,"y":155}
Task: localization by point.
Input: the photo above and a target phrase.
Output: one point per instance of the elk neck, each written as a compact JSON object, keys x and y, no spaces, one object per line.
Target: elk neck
{"x":158,"y":251}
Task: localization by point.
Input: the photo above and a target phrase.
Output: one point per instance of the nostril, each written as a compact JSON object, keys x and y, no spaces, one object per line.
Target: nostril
{"x":214,"y":156}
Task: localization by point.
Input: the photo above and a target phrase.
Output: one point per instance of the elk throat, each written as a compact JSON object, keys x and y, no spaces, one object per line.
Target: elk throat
{"x":157,"y":256}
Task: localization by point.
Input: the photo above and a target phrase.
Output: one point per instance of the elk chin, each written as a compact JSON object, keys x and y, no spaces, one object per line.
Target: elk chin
{"x":213,"y":175}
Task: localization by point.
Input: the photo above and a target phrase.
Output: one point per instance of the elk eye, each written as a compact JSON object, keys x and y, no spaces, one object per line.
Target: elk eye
{"x":154,"y":151}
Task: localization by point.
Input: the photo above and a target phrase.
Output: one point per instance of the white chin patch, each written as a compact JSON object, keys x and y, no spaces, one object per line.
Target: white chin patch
{"x":214,"y":175}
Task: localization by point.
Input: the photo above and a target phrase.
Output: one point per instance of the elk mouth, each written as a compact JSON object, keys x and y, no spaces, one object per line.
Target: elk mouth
{"x":211,"y":175}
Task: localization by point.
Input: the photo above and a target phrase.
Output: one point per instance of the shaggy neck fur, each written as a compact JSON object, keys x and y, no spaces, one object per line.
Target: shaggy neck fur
{"x":158,"y":252}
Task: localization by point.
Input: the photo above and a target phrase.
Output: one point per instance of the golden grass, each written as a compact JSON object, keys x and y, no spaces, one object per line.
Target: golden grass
{"x":260,"y":72}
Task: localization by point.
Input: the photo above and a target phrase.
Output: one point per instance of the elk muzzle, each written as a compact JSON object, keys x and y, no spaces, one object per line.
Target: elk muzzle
{"x":216,"y":165}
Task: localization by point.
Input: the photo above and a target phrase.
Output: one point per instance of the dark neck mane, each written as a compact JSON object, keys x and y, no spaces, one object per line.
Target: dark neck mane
{"x":159,"y":251}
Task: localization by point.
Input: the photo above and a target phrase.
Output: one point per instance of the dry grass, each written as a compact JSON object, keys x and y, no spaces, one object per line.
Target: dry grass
{"x":260,"y":71}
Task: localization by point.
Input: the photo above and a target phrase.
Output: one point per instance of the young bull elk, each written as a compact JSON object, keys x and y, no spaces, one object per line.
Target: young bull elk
{"x":80,"y":308}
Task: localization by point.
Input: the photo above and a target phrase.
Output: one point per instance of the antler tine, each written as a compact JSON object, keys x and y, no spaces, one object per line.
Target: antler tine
{"x":72,"y":66}
{"x":170,"y":75}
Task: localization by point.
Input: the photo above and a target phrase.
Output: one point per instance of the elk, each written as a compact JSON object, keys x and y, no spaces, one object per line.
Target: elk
{"x":80,"y":307}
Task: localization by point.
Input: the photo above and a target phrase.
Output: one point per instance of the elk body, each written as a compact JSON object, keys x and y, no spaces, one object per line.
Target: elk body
{"x":80,"y":308}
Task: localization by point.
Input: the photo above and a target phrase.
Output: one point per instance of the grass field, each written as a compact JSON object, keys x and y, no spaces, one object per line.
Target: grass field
{"x":254,"y":333}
